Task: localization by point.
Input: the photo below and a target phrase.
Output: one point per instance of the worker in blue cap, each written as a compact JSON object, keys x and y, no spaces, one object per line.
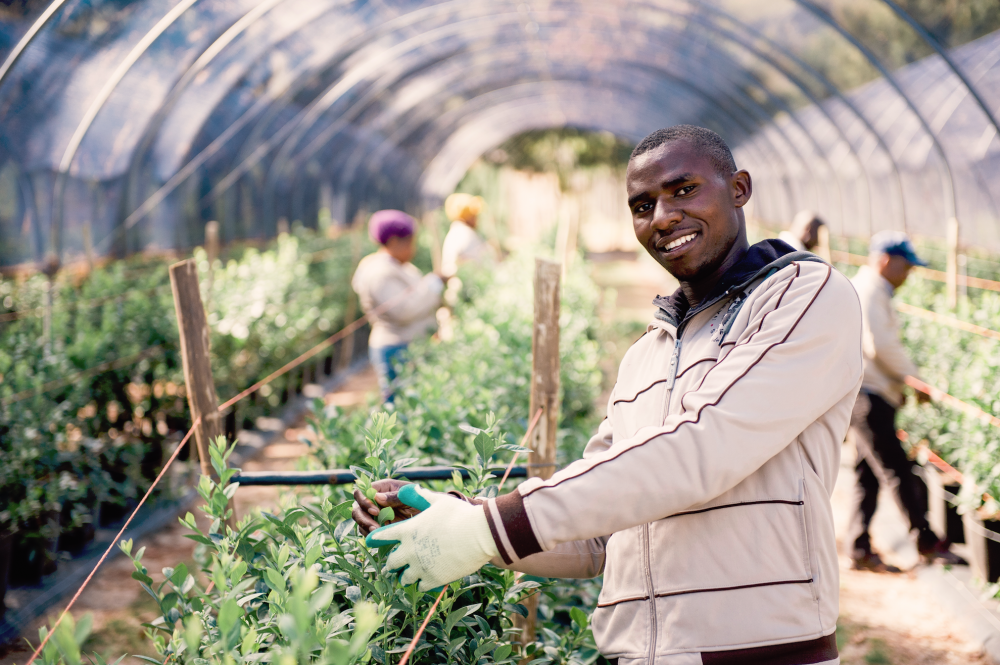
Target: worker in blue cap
{"x":873,"y":422}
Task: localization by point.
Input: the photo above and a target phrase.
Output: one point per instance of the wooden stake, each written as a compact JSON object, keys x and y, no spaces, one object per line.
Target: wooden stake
{"x":952,"y":276}
{"x":351,"y":307}
{"x":430,"y":222}
{"x":544,"y":396}
{"x":212,"y":250}
{"x":545,"y":367}
{"x":200,"y":385}
{"x":823,"y":244}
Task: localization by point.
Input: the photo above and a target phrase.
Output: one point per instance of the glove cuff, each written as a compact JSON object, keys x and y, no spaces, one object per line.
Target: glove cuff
{"x":511,"y":528}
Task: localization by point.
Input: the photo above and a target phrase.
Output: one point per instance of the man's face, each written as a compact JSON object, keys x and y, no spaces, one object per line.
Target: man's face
{"x":895,"y":269}
{"x":684,"y":212}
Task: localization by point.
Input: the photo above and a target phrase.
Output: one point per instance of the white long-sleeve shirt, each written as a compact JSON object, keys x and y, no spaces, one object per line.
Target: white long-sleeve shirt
{"x":462,"y":245}
{"x":381,"y":278}
{"x":886,"y":362}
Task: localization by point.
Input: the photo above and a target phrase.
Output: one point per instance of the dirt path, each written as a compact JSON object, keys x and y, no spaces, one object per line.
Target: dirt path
{"x":887,"y":618}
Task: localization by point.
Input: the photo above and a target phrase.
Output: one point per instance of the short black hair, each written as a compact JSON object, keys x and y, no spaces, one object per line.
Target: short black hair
{"x":705,"y":140}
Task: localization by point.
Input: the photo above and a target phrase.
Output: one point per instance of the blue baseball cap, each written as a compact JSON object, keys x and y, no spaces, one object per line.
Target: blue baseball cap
{"x":894,"y":243}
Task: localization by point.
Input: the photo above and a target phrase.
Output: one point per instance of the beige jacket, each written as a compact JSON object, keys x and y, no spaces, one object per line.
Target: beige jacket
{"x":380,"y":279}
{"x":712,"y":474}
{"x":886,"y":361}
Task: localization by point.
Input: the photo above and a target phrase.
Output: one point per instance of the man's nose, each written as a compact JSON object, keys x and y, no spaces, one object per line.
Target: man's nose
{"x":665,"y":215}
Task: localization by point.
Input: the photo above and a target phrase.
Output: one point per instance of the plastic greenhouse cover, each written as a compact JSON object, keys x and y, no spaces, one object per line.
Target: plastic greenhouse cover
{"x":142,"y":120}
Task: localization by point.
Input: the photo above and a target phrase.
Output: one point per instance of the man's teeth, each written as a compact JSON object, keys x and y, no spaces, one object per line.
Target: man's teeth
{"x":680,"y":241}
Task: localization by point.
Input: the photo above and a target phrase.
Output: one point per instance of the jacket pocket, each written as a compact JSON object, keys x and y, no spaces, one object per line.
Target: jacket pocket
{"x":621,"y":620}
{"x":731,"y":546}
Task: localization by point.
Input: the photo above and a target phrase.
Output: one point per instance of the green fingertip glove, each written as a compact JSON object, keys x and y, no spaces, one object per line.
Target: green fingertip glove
{"x":448,"y":540}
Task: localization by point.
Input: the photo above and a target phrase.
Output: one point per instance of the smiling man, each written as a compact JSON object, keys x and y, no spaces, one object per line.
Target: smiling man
{"x":704,"y":497}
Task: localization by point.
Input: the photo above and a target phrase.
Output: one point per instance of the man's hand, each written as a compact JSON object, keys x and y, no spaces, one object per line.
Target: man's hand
{"x":448,"y":540}
{"x":366,"y":511}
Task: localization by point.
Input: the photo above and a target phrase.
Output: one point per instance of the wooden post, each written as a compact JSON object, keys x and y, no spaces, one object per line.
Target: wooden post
{"x":192,"y":324}
{"x":545,"y":367}
{"x":952,"y":278}
{"x":568,"y":229}
{"x":430,"y":222}
{"x":351,"y":307}
{"x":545,"y":396}
{"x":88,"y":245}
{"x":823,"y":243}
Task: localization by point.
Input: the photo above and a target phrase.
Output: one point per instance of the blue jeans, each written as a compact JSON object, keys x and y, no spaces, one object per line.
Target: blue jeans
{"x":382,"y":359}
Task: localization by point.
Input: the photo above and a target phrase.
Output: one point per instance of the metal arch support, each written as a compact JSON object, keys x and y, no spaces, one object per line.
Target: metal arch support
{"x":734,"y":120}
{"x":97,"y":104}
{"x":189,"y":168}
{"x":731,"y":120}
{"x":726,"y":118}
{"x":835,"y":92}
{"x":878,"y":136}
{"x":754,"y":104}
{"x":403,"y":20}
{"x":932,"y":41}
{"x":948,"y":181}
{"x":769,"y":59}
{"x":326,"y":136}
{"x":795,"y":81}
{"x":245,"y":118}
{"x":28,"y":37}
{"x":238,"y":27}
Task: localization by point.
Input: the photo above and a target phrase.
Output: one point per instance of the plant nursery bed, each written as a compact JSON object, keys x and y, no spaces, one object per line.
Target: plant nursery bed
{"x":26,"y":604}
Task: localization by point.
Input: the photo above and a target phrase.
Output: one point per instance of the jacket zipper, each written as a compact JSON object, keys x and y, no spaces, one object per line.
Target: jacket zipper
{"x":650,"y":593}
{"x":675,"y":363}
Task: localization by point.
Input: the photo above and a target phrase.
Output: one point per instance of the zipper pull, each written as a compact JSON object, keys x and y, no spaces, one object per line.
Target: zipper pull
{"x":675,"y":361}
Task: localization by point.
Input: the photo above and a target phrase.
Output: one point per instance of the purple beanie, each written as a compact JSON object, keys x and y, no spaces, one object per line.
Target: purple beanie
{"x":385,"y":224}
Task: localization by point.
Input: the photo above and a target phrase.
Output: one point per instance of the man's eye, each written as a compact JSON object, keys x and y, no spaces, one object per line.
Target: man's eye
{"x":643,"y":207}
{"x":687,"y":189}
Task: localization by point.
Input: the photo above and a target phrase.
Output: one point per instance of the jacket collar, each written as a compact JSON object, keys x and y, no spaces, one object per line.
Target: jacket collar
{"x":767,"y":256}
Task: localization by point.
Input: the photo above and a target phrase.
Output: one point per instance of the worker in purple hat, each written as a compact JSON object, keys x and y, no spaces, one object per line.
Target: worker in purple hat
{"x":881,"y":458}
{"x":405,"y":301}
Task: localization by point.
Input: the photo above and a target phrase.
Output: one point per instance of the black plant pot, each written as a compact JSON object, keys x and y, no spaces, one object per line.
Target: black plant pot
{"x":942,"y":514}
{"x":984,"y":551}
{"x":111,"y":513}
{"x":30,"y":560}
{"x":75,"y":539}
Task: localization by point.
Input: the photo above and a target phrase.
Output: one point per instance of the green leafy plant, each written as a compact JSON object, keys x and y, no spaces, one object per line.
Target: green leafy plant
{"x":78,"y":451}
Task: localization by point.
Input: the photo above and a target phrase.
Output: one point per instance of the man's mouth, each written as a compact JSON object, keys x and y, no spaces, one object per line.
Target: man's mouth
{"x":675,"y":245}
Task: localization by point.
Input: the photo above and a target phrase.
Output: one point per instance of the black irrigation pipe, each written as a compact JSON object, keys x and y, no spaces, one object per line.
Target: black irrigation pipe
{"x":346,"y":477}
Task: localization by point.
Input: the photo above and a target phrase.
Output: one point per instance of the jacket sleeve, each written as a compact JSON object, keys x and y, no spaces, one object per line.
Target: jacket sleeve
{"x":420,"y":303}
{"x":576,"y":559}
{"x":799,"y":356}
{"x":882,"y":343}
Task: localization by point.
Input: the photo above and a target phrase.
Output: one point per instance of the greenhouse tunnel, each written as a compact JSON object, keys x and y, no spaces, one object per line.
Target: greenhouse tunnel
{"x":129,"y":125}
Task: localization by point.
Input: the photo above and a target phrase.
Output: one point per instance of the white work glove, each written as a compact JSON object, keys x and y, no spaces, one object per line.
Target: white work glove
{"x":448,"y":540}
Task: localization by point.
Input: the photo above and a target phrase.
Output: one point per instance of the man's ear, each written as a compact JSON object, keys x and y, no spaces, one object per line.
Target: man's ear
{"x":742,"y":188}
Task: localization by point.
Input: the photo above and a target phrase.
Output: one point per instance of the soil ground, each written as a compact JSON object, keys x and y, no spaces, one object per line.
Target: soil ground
{"x":884,"y":620}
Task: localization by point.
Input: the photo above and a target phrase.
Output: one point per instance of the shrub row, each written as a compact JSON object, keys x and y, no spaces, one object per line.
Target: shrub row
{"x":92,"y":395}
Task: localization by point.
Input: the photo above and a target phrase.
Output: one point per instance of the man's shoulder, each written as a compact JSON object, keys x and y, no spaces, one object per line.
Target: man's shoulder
{"x":817,"y":274}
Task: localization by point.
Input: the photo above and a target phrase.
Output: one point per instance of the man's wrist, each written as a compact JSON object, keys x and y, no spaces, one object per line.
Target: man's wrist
{"x":511,"y":528}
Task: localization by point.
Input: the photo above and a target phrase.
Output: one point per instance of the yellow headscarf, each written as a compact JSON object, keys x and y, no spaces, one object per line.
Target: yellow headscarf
{"x":464,"y":207}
